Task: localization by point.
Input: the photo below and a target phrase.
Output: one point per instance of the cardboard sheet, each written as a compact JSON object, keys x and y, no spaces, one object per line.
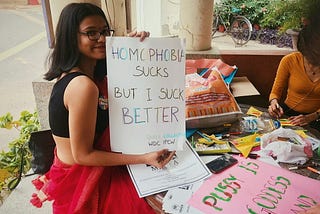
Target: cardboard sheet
{"x":241,"y":86}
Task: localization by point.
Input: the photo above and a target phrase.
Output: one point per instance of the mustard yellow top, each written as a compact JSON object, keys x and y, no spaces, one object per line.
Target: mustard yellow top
{"x":303,"y":95}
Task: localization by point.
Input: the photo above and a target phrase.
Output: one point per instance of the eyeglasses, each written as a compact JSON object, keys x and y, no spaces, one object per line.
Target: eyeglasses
{"x":94,"y":35}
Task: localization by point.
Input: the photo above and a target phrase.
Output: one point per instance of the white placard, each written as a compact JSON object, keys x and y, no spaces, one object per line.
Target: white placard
{"x":185,"y":168}
{"x":146,"y":93}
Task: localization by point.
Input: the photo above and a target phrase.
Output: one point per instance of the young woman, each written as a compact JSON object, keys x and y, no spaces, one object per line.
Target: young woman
{"x":299,"y":74}
{"x":86,"y":176}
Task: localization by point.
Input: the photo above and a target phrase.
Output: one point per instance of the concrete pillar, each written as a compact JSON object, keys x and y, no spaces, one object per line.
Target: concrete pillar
{"x":196,"y":18}
{"x":42,"y":91}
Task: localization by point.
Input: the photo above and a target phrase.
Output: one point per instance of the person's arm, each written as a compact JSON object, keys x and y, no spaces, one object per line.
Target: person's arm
{"x":302,"y":120}
{"x":281,"y":80}
{"x":279,"y":85}
{"x":81,"y":99}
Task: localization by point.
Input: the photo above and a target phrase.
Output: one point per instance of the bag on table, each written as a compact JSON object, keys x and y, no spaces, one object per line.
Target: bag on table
{"x":209,"y":102}
{"x":202,"y":65}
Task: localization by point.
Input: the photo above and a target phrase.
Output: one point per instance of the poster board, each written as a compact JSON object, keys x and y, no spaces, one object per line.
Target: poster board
{"x":241,"y":87}
{"x":146,"y":83}
{"x":253,"y":186}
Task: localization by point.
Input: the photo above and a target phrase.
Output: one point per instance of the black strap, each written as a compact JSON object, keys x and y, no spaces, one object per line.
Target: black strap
{"x":14,"y":182}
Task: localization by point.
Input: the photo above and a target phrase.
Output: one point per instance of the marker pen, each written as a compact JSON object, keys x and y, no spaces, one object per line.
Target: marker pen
{"x":313,"y":170}
{"x":297,"y":167}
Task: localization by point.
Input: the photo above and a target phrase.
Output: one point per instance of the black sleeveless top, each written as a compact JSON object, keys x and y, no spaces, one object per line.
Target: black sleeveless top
{"x":59,"y":115}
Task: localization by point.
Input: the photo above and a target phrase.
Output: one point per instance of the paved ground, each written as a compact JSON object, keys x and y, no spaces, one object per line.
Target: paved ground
{"x":23,"y":49}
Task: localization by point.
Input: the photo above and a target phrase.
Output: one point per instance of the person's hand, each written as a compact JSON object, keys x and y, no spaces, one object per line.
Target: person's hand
{"x":141,"y":34}
{"x":301,"y":120}
{"x":275,"y":110}
{"x":159,"y":158}
{"x":313,"y":210}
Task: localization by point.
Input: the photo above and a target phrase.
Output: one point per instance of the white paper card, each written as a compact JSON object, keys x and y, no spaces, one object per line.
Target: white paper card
{"x":185,"y":168}
{"x":175,"y":201}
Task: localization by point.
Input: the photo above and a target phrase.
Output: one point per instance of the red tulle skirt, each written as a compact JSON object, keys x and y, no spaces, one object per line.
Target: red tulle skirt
{"x":88,"y":189}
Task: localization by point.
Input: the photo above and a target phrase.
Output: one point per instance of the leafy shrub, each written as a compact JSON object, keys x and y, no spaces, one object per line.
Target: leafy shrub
{"x":273,"y":14}
{"x":285,"y":14}
{"x":10,"y":161}
{"x":272,"y":37}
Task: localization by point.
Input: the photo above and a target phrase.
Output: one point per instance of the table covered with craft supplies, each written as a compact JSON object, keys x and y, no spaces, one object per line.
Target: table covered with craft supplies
{"x":213,"y":142}
{"x":275,"y":160}
{"x":240,"y":139}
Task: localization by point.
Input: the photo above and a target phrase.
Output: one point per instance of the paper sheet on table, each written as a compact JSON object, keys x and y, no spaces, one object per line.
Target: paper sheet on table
{"x":175,"y":201}
{"x":185,"y":168}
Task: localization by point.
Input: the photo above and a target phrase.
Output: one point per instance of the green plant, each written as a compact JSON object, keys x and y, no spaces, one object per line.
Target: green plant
{"x":289,"y":14}
{"x":10,"y":161}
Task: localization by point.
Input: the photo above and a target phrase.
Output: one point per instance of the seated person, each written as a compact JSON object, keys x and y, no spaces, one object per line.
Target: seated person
{"x":299,"y":73}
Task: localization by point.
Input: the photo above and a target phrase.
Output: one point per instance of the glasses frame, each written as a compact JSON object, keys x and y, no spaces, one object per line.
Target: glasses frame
{"x":95,"y":38}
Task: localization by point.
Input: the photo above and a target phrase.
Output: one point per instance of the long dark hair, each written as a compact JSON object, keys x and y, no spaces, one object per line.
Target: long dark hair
{"x":309,"y":44}
{"x":66,"y":54}
{"x":309,"y":37}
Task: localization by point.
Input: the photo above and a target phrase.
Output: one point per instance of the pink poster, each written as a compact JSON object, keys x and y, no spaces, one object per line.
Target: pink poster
{"x":253,"y":186}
